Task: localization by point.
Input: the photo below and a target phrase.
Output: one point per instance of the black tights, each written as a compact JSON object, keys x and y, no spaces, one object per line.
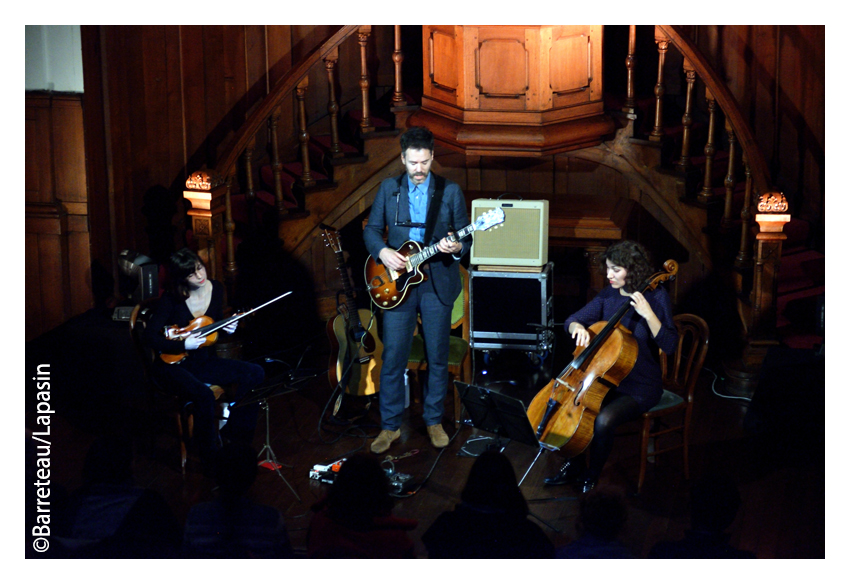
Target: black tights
{"x":617,"y":409}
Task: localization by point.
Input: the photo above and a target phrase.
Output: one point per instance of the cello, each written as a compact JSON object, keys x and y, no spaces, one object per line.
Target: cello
{"x":564,"y":411}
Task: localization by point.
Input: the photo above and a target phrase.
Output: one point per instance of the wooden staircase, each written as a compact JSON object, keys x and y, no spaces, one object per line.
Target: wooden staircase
{"x":700,"y":176}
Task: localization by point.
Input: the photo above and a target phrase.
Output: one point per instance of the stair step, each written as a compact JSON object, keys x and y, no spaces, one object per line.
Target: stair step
{"x":349,"y":154}
{"x":800,"y":271}
{"x":799,"y":320}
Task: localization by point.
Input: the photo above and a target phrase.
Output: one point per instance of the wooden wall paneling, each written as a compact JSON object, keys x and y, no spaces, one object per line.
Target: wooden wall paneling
{"x":46,"y":264}
{"x":33,"y":316}
{"x":256,"y":58}
{"x":760,"y":86}
{"x":133,"y":141}
{"x":38,"y":177}
{"x":215,"y":86}
{"x":194,"y":96}
{"x":79,"y":262}
{"x":493,"y":176}
{"x":280,"y":60}
{"x":383,"y":39}
{"x":120,"y":162}
{"x":95,"y":111}
{"x":157,"y":105}
{"x":348,"y":77}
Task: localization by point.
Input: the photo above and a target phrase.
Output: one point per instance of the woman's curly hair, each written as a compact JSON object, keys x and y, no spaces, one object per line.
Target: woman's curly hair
{"x":634,"y":258}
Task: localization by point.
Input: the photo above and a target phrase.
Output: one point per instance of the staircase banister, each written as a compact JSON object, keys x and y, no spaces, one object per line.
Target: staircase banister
{"x":727,"y":102}
{"x":283,"y":87}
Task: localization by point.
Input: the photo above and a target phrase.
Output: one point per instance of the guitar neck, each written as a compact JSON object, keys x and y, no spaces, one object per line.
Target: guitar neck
{"x":431,"y":250}
{"x":353,"y":315}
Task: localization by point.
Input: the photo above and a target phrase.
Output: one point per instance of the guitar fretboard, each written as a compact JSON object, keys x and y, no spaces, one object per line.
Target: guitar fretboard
{"x":431,"y":250}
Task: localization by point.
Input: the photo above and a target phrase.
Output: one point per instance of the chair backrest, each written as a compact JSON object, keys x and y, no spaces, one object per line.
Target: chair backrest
{"x":680,"y":370}
{"x":138,"y":323}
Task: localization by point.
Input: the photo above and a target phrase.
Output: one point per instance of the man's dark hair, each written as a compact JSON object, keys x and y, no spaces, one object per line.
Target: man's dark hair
{"x":417,"y":138}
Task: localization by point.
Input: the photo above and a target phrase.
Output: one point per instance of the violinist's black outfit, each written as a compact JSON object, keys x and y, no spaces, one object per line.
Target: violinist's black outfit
{"x":191,"y":377}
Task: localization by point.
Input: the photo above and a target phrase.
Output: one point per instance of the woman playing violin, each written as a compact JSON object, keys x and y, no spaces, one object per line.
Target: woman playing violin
{"x":627,"y":266}
{"x":191,"y":295}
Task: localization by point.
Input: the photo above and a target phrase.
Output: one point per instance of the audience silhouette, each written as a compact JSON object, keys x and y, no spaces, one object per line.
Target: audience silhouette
{"x":355,"y":519}
{"x":714,"y":505}
{"x":491,"y":521}
{"x":232,"y":525}
{"x":602,"y":515}
{"x":110,"y":517}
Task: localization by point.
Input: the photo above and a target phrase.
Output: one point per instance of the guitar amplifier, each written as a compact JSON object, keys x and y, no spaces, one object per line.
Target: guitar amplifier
{"x":511,"y":309}
{"x":522,"y":240}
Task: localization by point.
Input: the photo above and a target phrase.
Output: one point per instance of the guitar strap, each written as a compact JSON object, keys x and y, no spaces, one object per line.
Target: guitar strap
{"x":434,"y":207}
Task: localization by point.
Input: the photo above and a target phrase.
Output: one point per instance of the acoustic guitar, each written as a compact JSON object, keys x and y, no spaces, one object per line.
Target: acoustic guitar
{"x":354,"y":347}
{"x":388,"y":288}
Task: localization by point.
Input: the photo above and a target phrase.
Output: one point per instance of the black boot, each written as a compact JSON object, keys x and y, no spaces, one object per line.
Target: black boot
{"x":568,"y":473}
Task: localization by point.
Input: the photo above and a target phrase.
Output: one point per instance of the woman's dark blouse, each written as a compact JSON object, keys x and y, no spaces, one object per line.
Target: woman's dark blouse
{"x":171,"y":310}
{"x":644,"y":381}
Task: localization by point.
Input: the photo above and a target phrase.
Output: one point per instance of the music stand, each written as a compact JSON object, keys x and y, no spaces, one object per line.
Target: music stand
{"x":501,"y":415}
{"x":261,"y":394}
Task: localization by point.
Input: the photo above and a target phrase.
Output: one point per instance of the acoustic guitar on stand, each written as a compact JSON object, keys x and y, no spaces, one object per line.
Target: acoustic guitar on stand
{"x":388,"y":288}
{"x":354,"y":347}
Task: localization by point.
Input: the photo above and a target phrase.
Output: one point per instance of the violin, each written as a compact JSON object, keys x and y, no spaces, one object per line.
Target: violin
{"x":563,"y":412}
{"x":204,"y":327}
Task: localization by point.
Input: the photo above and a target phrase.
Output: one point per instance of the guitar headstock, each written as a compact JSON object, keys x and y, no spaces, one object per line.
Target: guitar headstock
{"x":490,"y":219}
{"x":332,"y":240}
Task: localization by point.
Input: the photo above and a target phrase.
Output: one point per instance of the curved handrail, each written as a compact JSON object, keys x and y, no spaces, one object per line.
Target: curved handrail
{"x":727,"y":102}
{"x":283,"y":87}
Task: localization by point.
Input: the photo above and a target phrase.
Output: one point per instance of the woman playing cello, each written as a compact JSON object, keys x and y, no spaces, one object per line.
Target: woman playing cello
{"x":190,"y":296}
{"x":627,"y":265}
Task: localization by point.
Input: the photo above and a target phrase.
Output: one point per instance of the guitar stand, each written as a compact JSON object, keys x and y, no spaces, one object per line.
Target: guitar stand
{"x":271,"y":462}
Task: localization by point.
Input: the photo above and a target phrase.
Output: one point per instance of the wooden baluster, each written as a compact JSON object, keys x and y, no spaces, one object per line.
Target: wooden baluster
{"x":631,"y":105}
{"x":706,"y":195}
{"x":662,"y":42}
{"x":729,"y":182}
{"x":250,"y":194}
{"x":684,"y":163}
{"x":230,"y":269}
{"x":277,"y":166}
{"x":745,"y":255}
{"x":363,"y":38}
{"x":333,"y":108}
{"x":398,"y":57}
{"x":303,"y":136}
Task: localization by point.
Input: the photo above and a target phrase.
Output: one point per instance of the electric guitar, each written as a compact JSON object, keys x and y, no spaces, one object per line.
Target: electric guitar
{"x":350,"y":340}
{"x":388,"y":288}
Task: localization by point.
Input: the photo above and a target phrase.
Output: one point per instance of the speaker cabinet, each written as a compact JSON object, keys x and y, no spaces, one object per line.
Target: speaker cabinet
{"x":522,"y":240}
{"x":511,"y":310}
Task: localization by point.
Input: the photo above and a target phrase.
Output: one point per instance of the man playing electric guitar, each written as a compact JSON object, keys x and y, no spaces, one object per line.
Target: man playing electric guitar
{"x":418,"y":206}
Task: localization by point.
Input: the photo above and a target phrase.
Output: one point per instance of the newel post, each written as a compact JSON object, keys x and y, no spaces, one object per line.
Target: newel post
{"x":771,"y":218}
{"x":206,"y":192}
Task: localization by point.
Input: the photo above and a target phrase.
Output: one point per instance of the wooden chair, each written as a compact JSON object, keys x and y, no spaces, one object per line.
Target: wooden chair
{"x":180,"y":410}
{"x":679,"y":376}
{"x":460,"y":357}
